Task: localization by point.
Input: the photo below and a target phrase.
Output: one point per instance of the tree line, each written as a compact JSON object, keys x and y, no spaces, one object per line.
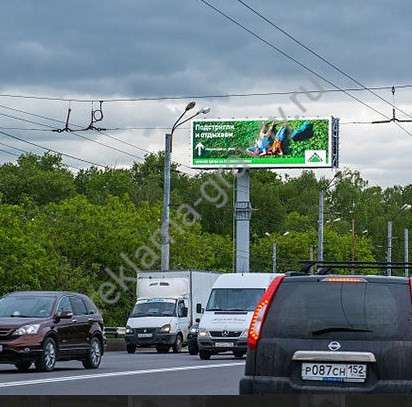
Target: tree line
{"x":80,"y":232}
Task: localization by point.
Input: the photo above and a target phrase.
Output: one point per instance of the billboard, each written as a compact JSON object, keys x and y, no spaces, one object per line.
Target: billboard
{"x":260,"y":143}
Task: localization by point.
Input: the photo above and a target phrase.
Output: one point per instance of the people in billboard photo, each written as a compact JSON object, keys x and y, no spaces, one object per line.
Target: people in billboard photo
{"x":274,"y":141}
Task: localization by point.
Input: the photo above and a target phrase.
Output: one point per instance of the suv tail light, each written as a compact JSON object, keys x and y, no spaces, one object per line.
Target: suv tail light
{"x":259,"y":315}
{"x":410,"y":284}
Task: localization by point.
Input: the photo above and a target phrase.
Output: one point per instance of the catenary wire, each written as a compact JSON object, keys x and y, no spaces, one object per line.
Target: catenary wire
{"x":211,"y":96}
{"x":73,"y":132}
{"x":50,"y":149}
{"x":76,"y":134}
{"x":302,"y":65}
{"x":315,"y":53}
{"x":9,"y":152}
{"x":51,"y":127}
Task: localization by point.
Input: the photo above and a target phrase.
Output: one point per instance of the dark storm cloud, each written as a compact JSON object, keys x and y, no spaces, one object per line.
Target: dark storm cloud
{"x":162,"y":47}
{"x":91,"y":48}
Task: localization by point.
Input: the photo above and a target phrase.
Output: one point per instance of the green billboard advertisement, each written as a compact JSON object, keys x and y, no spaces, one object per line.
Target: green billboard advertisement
{"x":300,"y":143}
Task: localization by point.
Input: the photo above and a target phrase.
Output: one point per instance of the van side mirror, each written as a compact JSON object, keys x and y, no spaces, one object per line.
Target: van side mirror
{"x":184,"y":312}
{"x":199,"y":309}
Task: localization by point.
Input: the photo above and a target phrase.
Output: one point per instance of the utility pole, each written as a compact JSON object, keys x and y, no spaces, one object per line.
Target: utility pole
{"x":274,"y":258}
{"x":406,"y":254}
{"x":321,"y":224}
{"x":389,"y":254}
{"x":353,"y":242}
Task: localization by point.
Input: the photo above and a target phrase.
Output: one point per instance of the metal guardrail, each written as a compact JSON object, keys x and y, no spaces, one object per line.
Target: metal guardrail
{"x":115,"y":331}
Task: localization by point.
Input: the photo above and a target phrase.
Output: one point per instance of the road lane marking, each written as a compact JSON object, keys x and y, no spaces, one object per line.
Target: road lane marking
{"x":115,"y":374}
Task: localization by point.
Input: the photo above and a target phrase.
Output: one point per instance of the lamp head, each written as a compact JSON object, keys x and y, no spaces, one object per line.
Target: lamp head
{"x":205,"y":110}
{"x":190,"y":106}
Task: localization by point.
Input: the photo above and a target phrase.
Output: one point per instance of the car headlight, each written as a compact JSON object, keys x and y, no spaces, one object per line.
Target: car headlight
{"x":129,"y":330}
{"x":203,"y":332}
{"x":194,"y":330}
{"x":27,"y":330}
{"x":165,"y":328}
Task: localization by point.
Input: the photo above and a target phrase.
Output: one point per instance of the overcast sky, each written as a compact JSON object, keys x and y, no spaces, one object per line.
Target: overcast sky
{"x":128,"y":48}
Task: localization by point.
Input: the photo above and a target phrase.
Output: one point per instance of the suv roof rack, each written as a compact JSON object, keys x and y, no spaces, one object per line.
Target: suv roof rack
{"x":327,"y":267}
{"x":293,"y":273}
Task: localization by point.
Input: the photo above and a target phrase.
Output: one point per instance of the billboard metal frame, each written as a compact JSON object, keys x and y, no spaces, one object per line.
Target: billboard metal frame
{"x":333,"y":146}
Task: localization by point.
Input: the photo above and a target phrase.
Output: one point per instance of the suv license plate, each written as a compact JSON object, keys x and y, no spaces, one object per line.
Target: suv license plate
{"x":144,"y":335}
{"x":224,"y":344}
{"x":334,"y":372}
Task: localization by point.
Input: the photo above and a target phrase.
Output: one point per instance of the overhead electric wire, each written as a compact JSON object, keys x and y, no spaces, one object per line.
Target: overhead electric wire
{"x":302,"y":65}
{"x":50,"y":149}
{"x":79,"y":135}
{"x":316,"y":54}
{"x":15,"y":148}
{"x":107,"y":129}
{"x":211,"y":96}
{"x":9,"y":152}
{"x":23,"y":129}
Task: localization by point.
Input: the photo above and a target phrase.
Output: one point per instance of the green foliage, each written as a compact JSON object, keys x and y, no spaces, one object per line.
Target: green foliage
{"x":81,"y":232}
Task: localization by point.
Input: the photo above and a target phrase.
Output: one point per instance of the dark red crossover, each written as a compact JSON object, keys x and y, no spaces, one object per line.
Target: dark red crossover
{"x":42,"y":327}
{"x":331,"y":333}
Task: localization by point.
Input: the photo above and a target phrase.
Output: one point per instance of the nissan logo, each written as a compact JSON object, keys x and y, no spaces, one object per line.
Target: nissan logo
{"x":225,"y":333}
{"x":144,"y":330}
{"x":334,"y":346}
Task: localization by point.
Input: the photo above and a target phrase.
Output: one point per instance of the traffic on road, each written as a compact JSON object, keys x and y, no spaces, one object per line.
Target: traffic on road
{"x":301,"y":332}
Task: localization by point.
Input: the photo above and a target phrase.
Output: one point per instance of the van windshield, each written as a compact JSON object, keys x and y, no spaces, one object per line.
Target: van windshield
{"x":154,"y":308}
{"x":322,"y":310}
{"x":234,"y":299}
{"x":25,"y":306}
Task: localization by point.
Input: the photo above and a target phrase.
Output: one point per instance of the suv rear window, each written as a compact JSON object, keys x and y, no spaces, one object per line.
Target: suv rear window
{"x":316,"y":309}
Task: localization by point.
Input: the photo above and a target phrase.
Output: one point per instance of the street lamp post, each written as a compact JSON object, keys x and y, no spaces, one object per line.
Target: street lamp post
{"x":165,"y":248}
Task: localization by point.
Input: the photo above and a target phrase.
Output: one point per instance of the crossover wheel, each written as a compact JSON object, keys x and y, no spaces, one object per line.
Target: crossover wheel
{"x":23,"y":366}
{"x":177,"y":346}
{"x":95,"y":355}
{"x":48,"y":359}
{"x":204,"y":354}
{"x":131,"y":348}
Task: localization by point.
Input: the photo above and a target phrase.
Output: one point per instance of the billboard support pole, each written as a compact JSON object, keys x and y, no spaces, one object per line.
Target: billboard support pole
{"x":243,"y":212}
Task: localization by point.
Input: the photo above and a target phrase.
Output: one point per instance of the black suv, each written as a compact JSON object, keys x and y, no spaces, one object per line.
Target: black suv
{"x":331,"y":333}
{"x":43,"y":327}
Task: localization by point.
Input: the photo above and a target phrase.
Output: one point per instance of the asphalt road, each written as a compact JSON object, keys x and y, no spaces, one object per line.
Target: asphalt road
{"x":144,"y":373}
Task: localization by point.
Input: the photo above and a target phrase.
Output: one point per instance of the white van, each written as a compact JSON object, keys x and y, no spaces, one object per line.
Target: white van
{"x":166,"y":308}
{"x":226,"y":319}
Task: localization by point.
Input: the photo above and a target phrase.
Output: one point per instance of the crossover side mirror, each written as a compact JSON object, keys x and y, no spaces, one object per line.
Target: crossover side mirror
{"x":65,"y":314}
